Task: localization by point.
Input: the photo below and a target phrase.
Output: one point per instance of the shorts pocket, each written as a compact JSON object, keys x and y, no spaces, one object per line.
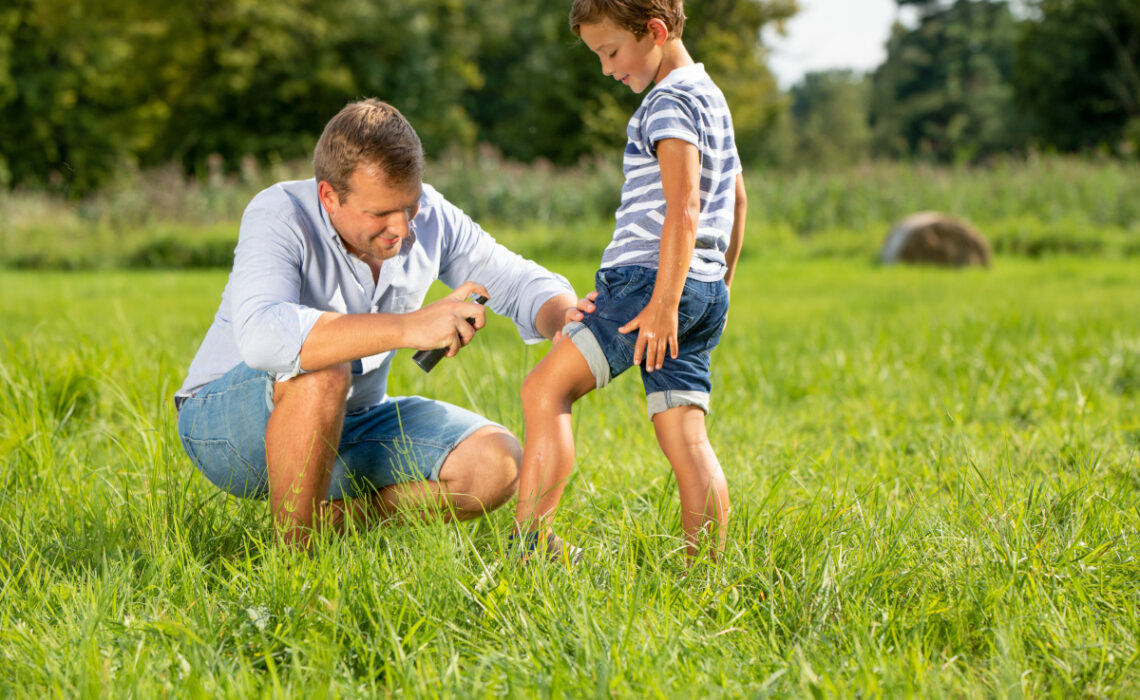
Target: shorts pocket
{"x":627,"y":292}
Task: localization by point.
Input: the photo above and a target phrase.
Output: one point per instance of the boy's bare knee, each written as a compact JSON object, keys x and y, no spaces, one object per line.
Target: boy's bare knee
{"x":536,"y":391}
{"x":547,"y":390}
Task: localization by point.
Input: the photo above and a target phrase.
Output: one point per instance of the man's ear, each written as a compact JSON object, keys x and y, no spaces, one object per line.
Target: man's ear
{"x":330,"y":200}
{"x":659,"y":31}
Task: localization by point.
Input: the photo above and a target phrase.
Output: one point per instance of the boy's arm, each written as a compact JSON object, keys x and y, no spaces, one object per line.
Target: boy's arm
{"x":736,"y":242}
{"x":657,"y":323}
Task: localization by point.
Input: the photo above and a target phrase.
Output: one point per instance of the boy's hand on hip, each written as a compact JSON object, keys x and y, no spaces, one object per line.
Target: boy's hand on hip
{"x":657,"y":334}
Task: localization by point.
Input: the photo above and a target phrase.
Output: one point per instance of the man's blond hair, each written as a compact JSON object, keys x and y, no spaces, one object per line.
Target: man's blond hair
{"x":371,"y":134}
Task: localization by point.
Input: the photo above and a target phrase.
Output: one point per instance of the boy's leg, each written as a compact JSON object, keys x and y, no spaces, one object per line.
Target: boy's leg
{"x":700,"y":480}
{"x":548,"y":393}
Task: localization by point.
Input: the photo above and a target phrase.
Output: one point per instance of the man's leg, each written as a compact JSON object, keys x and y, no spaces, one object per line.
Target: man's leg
{"x":477,"y":477}
{"x":700,"y":480}
{"x":301,"y":444}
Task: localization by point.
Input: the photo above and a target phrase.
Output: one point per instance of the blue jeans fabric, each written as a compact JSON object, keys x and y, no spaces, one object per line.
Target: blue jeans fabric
{"x":622,"y":293}
{"x":222,"y":428}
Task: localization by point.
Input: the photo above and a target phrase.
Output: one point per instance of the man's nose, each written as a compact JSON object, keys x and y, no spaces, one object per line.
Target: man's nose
{"x":400,"y":224}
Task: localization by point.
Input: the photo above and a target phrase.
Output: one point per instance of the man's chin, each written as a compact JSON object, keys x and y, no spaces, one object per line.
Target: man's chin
{"x":380,"y":247}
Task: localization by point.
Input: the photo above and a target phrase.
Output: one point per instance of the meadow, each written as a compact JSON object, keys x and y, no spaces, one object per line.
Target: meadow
{"x":934,"y":474}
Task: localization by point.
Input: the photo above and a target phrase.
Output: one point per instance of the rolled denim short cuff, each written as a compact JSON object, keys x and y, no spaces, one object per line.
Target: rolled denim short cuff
{"x":583,"y":339}
{"x":660,"y":401}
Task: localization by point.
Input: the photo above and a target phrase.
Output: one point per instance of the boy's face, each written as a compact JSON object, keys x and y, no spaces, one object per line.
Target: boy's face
{"x":631,"y":61}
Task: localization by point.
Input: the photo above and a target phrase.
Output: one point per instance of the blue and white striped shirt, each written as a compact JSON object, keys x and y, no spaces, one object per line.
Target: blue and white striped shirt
{"x":686,"y":105}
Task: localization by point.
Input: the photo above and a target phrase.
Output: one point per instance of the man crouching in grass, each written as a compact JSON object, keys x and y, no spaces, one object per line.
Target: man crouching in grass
{"x":287,"y":397}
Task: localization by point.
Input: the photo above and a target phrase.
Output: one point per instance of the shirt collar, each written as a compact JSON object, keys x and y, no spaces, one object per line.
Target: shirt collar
{"x":677,"y":75}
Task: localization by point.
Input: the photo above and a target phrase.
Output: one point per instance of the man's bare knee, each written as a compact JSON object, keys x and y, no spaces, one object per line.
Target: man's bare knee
{"x":329,"y":385}
{"x":482,"y":473}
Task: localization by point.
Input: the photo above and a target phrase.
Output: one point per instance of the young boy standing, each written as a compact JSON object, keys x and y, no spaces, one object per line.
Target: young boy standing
{"x":663,"y":284}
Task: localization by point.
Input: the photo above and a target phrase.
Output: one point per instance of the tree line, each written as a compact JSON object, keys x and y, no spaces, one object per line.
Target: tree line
{"x":973,"y":79}
{"x":91,"y":86}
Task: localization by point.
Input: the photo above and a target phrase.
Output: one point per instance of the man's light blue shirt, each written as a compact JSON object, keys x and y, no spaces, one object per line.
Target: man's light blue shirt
{"x":290,"y":266}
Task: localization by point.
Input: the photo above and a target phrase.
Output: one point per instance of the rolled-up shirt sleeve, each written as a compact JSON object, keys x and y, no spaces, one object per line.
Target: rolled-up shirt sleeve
{"x":518,"y":287}
{"x":269,"y":322}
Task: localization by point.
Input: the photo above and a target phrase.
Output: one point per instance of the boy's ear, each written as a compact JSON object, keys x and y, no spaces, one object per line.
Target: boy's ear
{"x":659,"y":30}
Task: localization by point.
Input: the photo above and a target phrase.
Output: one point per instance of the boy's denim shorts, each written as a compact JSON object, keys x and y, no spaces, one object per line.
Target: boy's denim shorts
{"x":402,"y":439}
{"x":622,"y":293}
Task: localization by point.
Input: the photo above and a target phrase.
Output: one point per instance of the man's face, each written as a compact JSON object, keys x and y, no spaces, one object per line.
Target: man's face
{"x":374,"y":218}
{"x":629,"y":60}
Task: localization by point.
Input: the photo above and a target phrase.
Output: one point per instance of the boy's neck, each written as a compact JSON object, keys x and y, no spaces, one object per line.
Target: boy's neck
{"x":674,"y":55}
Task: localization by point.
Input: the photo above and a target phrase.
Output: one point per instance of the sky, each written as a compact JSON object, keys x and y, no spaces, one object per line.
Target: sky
{"x":831,"y":34}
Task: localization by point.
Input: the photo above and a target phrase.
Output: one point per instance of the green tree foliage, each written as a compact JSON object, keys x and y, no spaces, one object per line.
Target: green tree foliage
{"x":1078,"y":74}
{"x":69,"y":97}
{"x":249,"y":78}
{"x":945,"y":90}
{"x":724,"y":35}
{"x":88,"y":86}
{"x":830,"y":113}
{"x":544,"y":96}
{"x":420,"y":55}
{"x":262,"y":78}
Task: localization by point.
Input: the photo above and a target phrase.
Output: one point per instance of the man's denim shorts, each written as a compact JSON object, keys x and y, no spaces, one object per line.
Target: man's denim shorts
{"x":402,"y":439}
{"x":622,"y":293}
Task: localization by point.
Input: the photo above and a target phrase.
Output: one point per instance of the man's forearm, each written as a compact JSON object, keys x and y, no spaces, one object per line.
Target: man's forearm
{"x":447,"y":323}
{"x":337,"y":338}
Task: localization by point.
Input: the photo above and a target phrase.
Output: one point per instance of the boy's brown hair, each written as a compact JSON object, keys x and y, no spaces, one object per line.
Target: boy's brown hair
{"x":368,"y":133}
{"x":633,"y":15}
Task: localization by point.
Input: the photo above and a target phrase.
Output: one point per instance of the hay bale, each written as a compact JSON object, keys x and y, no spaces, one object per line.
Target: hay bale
{"x":935,"y":239}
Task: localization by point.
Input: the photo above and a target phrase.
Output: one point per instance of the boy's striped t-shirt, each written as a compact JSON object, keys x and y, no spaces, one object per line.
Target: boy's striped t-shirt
{"x":686,"y":105}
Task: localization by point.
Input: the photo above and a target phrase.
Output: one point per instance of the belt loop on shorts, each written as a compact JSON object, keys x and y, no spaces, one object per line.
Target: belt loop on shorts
{"x":178,"y":401}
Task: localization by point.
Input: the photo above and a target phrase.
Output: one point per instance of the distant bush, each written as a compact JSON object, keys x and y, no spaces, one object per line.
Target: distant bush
{"x":494,"y":190}
{"x":176,"y":252}
{"x":1047,"y":206}
{"x":1100,"y":193}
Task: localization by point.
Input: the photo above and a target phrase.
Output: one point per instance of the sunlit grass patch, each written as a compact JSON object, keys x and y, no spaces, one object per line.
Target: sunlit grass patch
{"x":933,"y":476}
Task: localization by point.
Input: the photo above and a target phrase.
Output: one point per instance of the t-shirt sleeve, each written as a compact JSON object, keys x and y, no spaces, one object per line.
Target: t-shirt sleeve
{"x":670,"y":116}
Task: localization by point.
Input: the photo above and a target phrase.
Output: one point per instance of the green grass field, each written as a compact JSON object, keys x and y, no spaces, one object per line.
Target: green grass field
{"x":934,"y":476}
